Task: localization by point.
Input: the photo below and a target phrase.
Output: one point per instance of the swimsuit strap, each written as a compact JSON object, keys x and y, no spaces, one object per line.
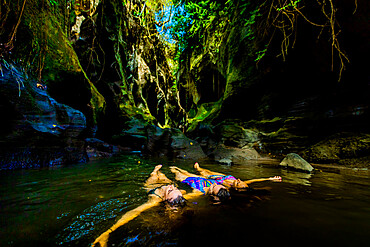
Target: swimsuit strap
{"x":216,"y":177}
{"x":152,"y":191}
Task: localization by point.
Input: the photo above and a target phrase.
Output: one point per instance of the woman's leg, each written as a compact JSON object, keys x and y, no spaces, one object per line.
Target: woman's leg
{"x":228,"y":182}
{"x":157,"y":177}
{"x":204,"y":172}
{"x":181,"y":174}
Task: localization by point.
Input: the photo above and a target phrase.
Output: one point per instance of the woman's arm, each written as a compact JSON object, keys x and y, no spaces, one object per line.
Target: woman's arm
{"x":130,"y":215}
{"x":195,"y":193}
{"x":276,"y":179}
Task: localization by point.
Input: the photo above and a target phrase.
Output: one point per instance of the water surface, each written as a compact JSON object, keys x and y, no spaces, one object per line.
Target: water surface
{"x":71,"y":206}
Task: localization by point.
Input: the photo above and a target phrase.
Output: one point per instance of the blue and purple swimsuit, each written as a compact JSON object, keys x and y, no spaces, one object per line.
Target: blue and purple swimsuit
{"x":200,"y":183}
{"x":221,"y":178}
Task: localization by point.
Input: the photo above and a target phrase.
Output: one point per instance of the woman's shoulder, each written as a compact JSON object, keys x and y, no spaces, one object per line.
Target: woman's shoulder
{"x":158,"y":191}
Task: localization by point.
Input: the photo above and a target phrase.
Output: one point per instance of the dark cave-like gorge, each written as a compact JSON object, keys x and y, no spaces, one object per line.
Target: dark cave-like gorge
{"x":184,"y":122}
{"x":282,"y":76}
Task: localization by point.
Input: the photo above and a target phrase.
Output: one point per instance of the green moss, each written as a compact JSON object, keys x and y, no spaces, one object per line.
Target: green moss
{"x":52,"y":57}
{"x":51,"y":49}
{"x":97,"y":102}
{"x":132,"y":111}
{"x":206,"y":113}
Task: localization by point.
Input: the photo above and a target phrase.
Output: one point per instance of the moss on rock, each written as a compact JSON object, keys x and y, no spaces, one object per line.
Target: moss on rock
{"x":349,"y":149}
{"x":46,"y":51}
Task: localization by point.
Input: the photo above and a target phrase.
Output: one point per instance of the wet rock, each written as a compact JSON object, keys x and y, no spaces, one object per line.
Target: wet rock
{"x":134,"y":135}
{"x":225,"y":161}
{"x":59,"y":66}
{"x":234,"y":134}
{"x":159,"y":142}
{"x":350,"y":149}
{"x":296,"y":162}
{"x":281,"y":135}
{"x":184,"y":147}
{"x":230,"y":142}
{"x":37,"y":130}
{"x":228,"y":155}
{"x":173,"y":144}
{"x":96,"y":149}
{"x":156,"y":141}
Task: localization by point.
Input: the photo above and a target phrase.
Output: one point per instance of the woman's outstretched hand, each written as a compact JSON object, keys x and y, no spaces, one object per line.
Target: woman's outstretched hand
{"x":102,"y":240}
{"x":276,"y":179}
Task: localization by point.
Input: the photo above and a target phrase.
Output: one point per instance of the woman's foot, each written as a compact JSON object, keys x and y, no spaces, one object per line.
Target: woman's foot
{"x":196,"y":165}
{"x":156,"y":168}
{"x":174,"y":169}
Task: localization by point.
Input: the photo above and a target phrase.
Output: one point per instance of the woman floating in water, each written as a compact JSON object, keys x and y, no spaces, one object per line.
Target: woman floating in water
{"x":201,"y":185}
{"x":160,"y":189}
{"x":229,"y":180}
{"x":214,"y":183}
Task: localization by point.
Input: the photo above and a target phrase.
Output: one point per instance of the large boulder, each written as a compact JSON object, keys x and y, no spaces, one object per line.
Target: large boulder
{"x":351,"y":149}
{"x":173,"y":144}
{"x":184,"y":147}
{"x":37,"y":130}
{"x":134,"y":135}
{"x":232,"y":133}
{"x":97,"y":149}
{"x":228,"y":155}
{"x":296,"y":162}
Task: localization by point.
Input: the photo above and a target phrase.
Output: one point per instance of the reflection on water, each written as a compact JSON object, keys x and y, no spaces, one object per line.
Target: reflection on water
{"x":71,"y":206}
{"x":85,"y":223}
{"x":296,"y":177}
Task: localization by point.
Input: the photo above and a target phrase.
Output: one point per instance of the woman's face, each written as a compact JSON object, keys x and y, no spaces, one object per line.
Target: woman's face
{"x":215,"y":188}
{"x":238,"y":184}
{"x":171,"y":193}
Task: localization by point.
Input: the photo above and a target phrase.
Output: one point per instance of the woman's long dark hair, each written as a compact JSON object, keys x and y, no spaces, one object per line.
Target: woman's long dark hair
{"x":223,"y":194}
{"x":179,"y":201}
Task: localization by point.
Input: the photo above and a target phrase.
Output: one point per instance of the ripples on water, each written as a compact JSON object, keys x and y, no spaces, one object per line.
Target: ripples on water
{"x":71,"y":206}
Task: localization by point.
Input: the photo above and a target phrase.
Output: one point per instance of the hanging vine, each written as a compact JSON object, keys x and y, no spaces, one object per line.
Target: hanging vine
{"x":10,"y":43}
{"x":282,"y":15}
{"x":5,"y":9}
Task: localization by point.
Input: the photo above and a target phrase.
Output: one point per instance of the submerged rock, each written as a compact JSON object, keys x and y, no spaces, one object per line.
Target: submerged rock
{"x":225,"y":161}
{"x":296,"y":162}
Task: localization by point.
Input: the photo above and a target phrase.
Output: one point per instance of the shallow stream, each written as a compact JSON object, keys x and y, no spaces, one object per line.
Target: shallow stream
{"x":72,"y":205}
